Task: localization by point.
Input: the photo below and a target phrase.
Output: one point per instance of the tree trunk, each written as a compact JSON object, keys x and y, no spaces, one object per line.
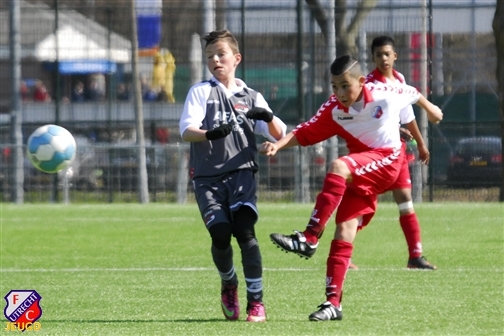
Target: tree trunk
{"x":319,"y":14}
{"x":346,"y":36}
{"x":498,"y":28}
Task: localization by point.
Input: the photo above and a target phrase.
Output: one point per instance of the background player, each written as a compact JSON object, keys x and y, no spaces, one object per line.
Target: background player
{"x":220,"y":119}
{"x":384,"y":56}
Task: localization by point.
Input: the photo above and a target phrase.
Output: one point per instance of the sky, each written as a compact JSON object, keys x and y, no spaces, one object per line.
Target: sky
{"x":460,"y":18}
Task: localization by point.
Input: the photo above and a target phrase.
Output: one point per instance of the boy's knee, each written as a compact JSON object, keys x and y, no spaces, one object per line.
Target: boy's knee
{"x":221,"y":235}
{"x":347,"y":230}
{"x":339,"y":167}
{"x":244,"y":233}
{"x":402,"y":195}
{"x":244,"y":220}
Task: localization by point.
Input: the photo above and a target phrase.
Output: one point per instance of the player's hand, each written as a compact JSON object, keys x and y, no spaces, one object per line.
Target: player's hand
{"x":423,"y":154}
{"x":268,"y":148}
{"x":259,"y":113}
{"x":405,"y":134}
{"x":220,"y":132}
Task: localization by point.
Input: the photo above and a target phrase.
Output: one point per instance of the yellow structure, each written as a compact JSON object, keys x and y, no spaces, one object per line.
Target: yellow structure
{"x":169,"y":75}
{"x":163,"y":74}
{"x":158,"y":72}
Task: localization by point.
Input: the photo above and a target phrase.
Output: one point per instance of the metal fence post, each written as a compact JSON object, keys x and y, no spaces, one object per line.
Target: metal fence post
{"x":16,"y":112}
{"x":182,"y":176}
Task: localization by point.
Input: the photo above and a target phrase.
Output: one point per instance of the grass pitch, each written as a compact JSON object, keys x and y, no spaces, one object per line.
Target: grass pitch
{"x":130,"y":269}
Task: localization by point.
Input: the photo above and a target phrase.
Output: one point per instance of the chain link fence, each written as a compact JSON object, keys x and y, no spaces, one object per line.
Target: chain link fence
{"x":76,"y":71}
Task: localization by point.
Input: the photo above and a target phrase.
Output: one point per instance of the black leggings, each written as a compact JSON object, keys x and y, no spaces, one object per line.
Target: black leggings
{"x":242,"y":228}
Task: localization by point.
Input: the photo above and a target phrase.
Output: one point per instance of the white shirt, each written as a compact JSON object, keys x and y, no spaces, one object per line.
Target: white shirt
{"x":373,"y":127}
{"x":406,"y":114}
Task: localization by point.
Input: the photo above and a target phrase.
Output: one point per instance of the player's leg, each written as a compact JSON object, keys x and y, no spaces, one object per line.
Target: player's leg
{"x":369,"y":172}
{"x":328,"y":200}
{"x":245,"y":215}
{"x":222,"y":256}
{"x":411,"y":229}
{"x":337,"y":266}
{"x":305,"y":243}
{"x":354,"y":213}
{"x":218,"y":223}
{"x":243,"y":230}
{"x":352,"y":266}
{"x":401,"y":189}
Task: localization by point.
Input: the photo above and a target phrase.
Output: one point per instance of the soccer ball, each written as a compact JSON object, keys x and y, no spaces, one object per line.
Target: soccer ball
{"x":51,"y":148}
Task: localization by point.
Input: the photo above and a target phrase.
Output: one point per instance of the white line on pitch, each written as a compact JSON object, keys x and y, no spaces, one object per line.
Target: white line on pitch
{"x":205,"y":269}
{"x":162,"y":269}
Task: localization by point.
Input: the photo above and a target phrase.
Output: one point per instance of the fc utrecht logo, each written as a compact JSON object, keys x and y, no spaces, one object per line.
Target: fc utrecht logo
{"x":23,"y":308}
{"x":377,"y":112}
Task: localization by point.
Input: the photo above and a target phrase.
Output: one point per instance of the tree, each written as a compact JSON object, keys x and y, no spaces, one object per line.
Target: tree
{"x":498,"y":28}
{"x":346,"y":35}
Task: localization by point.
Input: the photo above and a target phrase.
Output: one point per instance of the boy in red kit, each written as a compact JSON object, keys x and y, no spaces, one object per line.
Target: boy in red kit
{"x":366,"y":115}
{"x":384,"y":57}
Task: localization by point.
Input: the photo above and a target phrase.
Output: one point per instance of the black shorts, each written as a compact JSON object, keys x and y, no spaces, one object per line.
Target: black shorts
{"x":219,"y":197}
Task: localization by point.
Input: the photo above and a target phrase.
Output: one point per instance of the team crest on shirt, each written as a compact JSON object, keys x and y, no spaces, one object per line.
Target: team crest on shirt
{"x":377,"y":112}
{"x":239,"y":107}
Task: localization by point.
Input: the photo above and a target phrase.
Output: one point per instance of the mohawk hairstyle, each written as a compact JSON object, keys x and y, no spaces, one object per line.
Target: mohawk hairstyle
{"x":344,"y":64}
{"x":381,"y":41}
{"x":224,"y":36}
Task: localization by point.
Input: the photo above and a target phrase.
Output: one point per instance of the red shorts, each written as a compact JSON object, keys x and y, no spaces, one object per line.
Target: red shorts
{"x":404,"y":179}
{"x":354,"y":205}
{"x":374,"y":171}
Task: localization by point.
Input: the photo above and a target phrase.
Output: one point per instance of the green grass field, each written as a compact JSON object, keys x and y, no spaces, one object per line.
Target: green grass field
{"x":130,"y":269}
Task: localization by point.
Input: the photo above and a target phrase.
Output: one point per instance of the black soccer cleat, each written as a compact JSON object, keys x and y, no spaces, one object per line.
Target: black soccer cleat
{"x":420,"y":263}
{"x":295,"y":243}
{"x":327,"y":312}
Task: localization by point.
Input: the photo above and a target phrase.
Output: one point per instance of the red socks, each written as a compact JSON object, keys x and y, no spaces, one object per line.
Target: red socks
{"x":411,"y":229}
{"x":337,"y":266}
{"x":327,"y":202}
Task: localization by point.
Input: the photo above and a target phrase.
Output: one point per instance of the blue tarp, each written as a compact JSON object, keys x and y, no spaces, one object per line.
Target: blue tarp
{"x":82,"y":66}
{"x":149,"y":31}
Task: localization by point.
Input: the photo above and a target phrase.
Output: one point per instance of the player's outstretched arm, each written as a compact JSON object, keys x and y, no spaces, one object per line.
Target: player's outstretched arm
{"x":434,"y":113}
{"x":270,"y":149}
{"x":275,"y":129}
